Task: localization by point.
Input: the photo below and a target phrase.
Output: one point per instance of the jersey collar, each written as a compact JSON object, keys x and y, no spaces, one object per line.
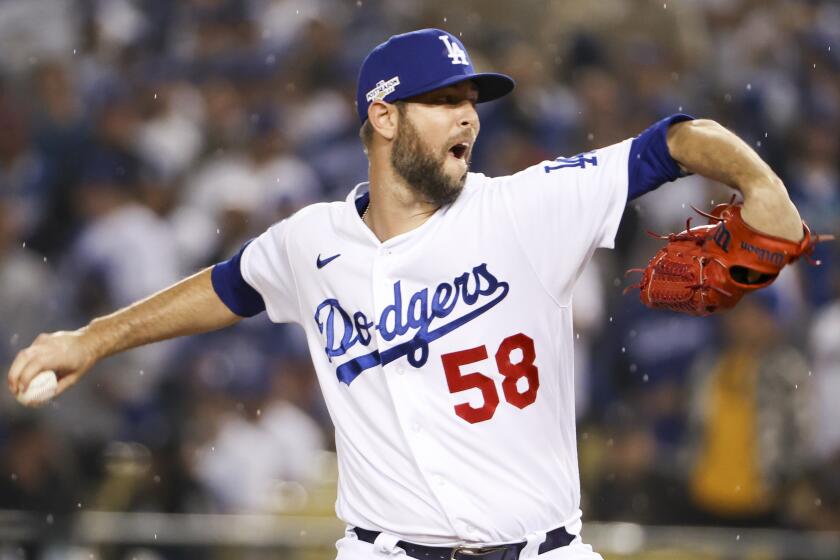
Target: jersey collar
{"x":355,"y":204}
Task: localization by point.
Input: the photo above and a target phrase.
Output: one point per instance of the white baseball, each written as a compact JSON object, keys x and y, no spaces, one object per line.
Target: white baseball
{"x":41,"y":389}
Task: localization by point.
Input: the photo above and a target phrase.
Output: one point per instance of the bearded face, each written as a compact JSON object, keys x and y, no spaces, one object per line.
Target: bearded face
{"x":422,"y":167}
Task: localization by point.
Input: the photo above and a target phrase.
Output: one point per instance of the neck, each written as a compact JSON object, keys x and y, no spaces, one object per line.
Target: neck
{"x":395,"y":208}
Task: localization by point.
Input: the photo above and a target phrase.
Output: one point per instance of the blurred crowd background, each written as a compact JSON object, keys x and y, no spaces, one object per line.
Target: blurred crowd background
{"x":141,"y":140}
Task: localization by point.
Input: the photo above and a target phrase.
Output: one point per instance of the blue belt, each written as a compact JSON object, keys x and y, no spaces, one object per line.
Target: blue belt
{"x":553,"y":539}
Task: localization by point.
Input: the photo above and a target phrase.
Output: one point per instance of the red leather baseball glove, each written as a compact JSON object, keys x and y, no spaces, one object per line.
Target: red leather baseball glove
{"x":709,"y":268}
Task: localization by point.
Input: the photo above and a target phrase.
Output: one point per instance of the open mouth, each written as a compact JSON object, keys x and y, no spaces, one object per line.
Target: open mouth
{"x":459,"y":151}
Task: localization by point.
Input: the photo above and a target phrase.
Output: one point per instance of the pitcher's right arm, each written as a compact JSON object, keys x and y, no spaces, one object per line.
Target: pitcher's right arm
{"x":190,"y":306}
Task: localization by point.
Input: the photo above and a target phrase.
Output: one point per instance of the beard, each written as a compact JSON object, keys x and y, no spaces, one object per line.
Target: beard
{"x":421,"y":168}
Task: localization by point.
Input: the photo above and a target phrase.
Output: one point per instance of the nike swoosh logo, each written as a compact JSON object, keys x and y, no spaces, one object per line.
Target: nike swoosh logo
{"x":321,"y":263}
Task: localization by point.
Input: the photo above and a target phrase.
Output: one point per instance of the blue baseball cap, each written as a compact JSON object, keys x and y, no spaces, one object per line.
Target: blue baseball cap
{"x":420,"y":61}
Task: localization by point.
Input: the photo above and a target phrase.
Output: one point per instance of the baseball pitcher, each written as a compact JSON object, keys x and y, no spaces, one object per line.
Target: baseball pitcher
{"x":437,"y":306}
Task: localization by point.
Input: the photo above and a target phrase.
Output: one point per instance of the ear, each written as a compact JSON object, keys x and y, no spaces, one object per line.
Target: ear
{"x":384,"y":117}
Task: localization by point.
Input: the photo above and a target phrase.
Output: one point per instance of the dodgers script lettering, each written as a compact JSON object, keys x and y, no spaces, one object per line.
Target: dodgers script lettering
{"x":426,"y":315}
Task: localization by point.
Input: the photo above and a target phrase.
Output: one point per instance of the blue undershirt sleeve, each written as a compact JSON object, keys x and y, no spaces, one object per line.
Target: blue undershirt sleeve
{"x":232,"y":288}
{"x":650,"y":163}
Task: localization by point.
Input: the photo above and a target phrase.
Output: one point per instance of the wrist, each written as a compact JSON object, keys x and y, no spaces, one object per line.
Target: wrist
{"x":767,"y":208}
{"x":93,"y":340}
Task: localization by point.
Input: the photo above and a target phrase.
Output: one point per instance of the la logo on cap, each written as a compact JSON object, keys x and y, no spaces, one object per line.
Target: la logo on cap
{"x":456,"y":53}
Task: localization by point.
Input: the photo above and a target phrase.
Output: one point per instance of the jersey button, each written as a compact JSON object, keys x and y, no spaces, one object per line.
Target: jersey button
{"x":400,"y":370}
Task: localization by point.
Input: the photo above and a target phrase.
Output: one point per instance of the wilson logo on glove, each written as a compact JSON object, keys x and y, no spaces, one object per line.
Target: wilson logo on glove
{"x":709,"y":268}
{"x":722,"y":237}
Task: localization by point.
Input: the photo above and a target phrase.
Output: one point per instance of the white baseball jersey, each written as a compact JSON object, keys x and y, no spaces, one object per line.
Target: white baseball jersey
{"x":445,"y":354}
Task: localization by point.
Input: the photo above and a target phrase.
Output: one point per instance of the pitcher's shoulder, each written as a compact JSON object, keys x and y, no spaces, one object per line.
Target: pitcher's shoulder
{"x":319,"y":214}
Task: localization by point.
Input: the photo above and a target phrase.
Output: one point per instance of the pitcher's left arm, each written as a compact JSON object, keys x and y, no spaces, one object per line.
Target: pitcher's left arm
{"x":706,"y":148}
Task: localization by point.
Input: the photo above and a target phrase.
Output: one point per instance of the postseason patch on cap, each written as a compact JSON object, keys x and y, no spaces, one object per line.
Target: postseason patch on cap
{"x":383,"y":88}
